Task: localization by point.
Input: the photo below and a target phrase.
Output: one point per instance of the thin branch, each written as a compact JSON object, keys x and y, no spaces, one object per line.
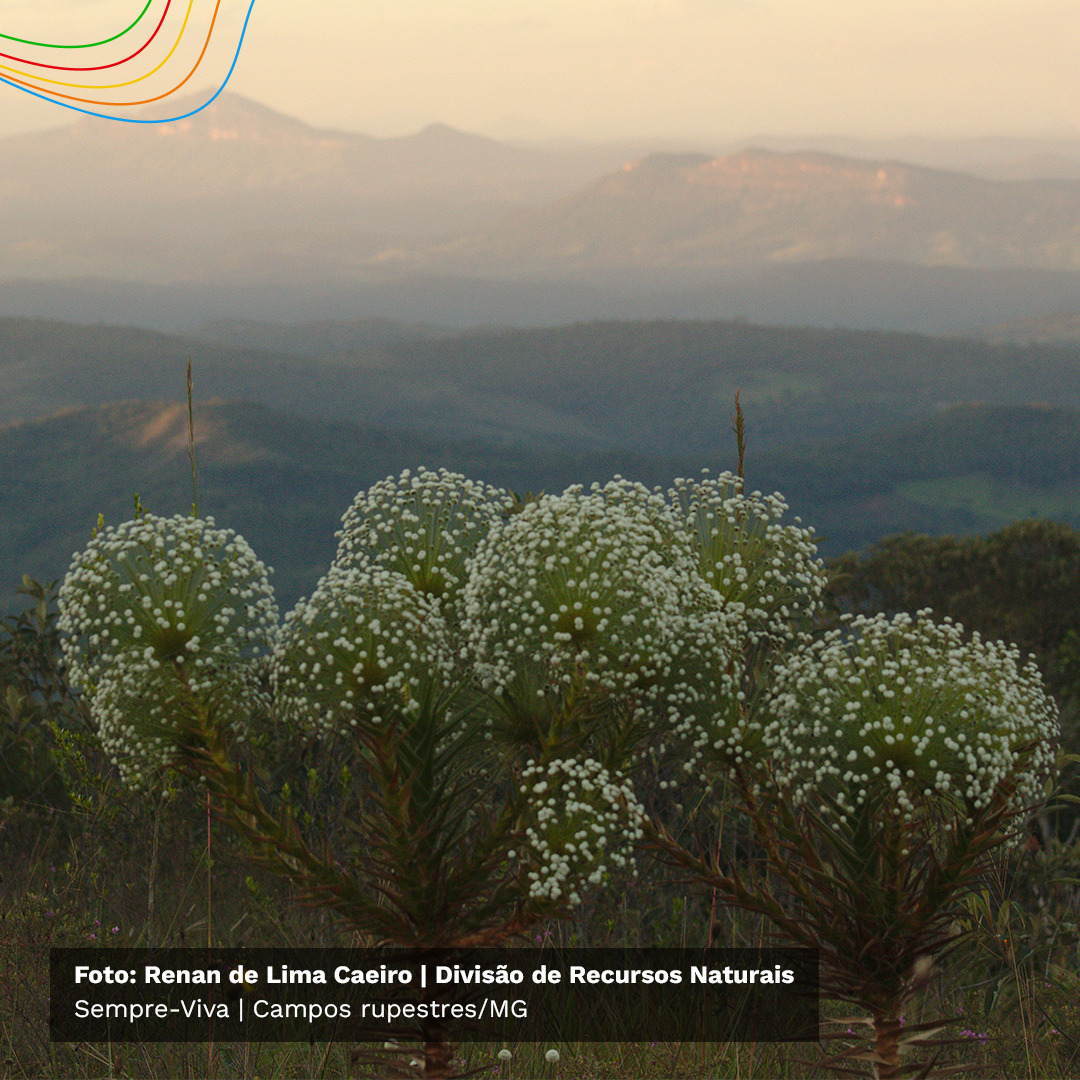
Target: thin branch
{"x":738,"y":426}
{"x":191,"y":446}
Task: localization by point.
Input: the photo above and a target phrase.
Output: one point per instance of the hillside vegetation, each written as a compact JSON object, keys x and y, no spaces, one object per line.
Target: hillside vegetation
{"x":660,"y":387}
{"x":967,"y":469}
{"x":282,"y":481}
{"x":867,"y":434}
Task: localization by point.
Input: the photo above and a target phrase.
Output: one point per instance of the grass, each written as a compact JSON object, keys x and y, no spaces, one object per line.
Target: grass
{"x":83,"y":878}
{"x":997,"y":501}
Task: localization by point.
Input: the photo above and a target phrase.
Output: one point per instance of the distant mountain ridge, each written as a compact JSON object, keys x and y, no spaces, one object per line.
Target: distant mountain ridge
{"x":240,"y":212}
{"x":238,"y":147}
{"x":656,"y":388}
{"x":762,"y":207}
{"x":239,"y":192}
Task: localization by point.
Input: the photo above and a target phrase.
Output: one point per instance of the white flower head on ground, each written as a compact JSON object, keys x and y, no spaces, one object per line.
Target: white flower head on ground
{"x":362,"y":650}
{"x":909,"y":707}
{"x":583,"y":821}
{"x":158,"y":612}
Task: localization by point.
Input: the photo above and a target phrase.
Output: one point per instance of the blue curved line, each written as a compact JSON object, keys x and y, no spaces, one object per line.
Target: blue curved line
{"x":132,"y":120}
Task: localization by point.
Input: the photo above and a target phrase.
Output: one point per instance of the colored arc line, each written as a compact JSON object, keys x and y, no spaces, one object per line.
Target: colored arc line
{"x":38,"y":80}
{"x":88,"y":45}
{"x":136,"y":120}
{"x":52,"y":95}
{"x":100,"y":67}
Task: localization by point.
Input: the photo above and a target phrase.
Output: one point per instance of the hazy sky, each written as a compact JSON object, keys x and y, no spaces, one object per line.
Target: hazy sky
{"x":618,"y":68}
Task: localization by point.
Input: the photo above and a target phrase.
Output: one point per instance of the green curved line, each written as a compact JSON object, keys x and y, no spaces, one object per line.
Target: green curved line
{"x":88,"y":45}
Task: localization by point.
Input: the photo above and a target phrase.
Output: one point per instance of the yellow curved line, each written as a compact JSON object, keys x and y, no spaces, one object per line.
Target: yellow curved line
{"x":110,"y":86}
{"x":145,"y":101}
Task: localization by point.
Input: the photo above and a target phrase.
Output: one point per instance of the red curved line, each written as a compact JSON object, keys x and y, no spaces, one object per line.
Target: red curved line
{"x":145,"y":101}
{"x":101,"y":67}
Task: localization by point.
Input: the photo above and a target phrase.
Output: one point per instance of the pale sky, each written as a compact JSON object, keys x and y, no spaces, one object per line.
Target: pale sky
{"x":598,"y":69}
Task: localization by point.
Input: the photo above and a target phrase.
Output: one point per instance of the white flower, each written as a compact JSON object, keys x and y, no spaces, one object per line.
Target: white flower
{"x":159,"y":614}
{"x":365,"y":648}
{"x":423,"y":525}
{"x":970,"y":720}
{"x":584,"y":587}
{"x":504,"y":1054}
{"x":582,"y":821}
{"x":552,"y":1056}
{"x":600,"y":595}
{"x":767,"y":571}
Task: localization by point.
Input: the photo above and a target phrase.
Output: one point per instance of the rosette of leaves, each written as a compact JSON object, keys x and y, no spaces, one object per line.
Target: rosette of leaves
{"x":581,"y":822}
{"x":423,"y":525}
{"x":367,"y":648}
{"x":159,"y":615}
{"x":764,"y":570}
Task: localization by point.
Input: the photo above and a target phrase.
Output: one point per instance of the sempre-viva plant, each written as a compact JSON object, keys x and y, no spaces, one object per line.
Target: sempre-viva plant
{"x":514,"y":690}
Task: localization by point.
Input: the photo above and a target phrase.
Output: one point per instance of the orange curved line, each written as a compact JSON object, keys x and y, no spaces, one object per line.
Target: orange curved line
{"x":111,"y":86}
{"x":145,"y":101}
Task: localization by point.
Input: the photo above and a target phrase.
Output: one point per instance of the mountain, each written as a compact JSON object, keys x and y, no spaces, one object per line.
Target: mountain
{"x":996,"y":157}
{"x":240,"y":192}
{"x":971,"y":468}
{"x":1061,"y":327}
{"x":695,"y":213}
{"x":48,"y":366}
{"x":237,"y":149}
{"x":240,"y":212}
{"x":868,"y":434}
{"x":858,"y":293}
{"x":659,"y":388}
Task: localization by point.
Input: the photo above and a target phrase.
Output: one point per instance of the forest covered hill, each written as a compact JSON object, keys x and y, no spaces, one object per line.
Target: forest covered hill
{"x":866,"y":433}
{"x":658,"y":387}
{"x":284,"y":481}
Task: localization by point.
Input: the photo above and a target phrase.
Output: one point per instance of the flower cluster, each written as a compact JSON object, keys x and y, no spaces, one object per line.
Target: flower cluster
{"x":767,"y":572}
{"x":158,"y":613}
{"x":423,"y":525}
{"x":588,"y":587}
{"x":583,"y":820}
{"x":909,"y":709}
{"x":365,"y":647}
{"x":699,"y":699}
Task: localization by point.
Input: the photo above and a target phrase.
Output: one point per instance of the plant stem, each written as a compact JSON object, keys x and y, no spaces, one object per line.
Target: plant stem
{"x":887,"y":1027}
